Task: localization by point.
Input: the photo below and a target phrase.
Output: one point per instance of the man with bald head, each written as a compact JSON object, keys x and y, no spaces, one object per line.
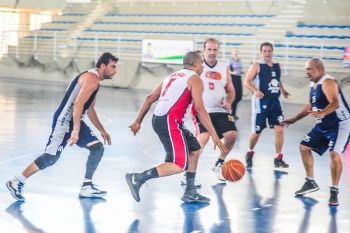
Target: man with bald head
{"x":331,"y":113}
{"x":175,"y":96}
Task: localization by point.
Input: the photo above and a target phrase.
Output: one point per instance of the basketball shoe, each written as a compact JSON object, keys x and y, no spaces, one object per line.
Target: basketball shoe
{"x":333,"y":200}
{"x":309,"y":187}
{"x":90,"y":190}
{"x":249,"y":158}
{"x":278,"y":162}
{"x":192,"y":196}
{"x":15,"y":186}
{"x":218,"y":170}
{"x":134,"y":181}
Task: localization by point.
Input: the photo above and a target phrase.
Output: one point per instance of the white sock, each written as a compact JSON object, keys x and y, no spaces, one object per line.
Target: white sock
{"x":335,"y":186}
{"x":310,"y":178}
{"x":21,"y":177}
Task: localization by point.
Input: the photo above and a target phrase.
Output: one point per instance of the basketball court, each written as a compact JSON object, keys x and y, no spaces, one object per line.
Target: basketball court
{"x":262,"y":201}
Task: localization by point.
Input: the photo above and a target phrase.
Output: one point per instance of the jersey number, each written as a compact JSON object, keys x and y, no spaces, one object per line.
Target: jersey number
{"x":168,"y":85}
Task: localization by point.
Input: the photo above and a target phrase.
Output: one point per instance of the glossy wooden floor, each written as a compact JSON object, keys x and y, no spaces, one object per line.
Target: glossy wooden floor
{"x":263,"y":201}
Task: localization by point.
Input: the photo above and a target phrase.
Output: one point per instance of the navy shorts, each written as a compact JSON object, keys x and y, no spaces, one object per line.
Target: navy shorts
{"x":274,"y":117}
{"x":177,"y":140}
{"x":334,"y":139}
{"x":58,"y":138}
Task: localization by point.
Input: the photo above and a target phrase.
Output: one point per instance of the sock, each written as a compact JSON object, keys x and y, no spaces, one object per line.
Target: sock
{"x":279,"y":156}
{"x":310,"y":178}
{"x":190,"y":177}
{"x":87,"y":182}
{"x":148,"y":174}
{"x":21,"y":178}
{"x":335,"y":186}
{"x":221,"y":161}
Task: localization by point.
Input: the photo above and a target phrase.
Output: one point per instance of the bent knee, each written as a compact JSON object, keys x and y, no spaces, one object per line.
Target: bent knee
{"x":304,"y":149}
{"x":46,"y":160}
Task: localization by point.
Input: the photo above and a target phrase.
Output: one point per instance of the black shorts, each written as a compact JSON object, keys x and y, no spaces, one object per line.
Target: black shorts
{"x":222,"y":122}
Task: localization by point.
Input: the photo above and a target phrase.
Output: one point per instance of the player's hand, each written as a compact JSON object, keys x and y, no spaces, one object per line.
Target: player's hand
{"x":315,"y":114}
{"x":135,"y":127}
{"x":218,"y":143}
{"x":287,"y":122}
{"x":106,"y":138}
{"x":226,"y":106}
{"x":285,"y":93}
{"x":74,"y":137}
{"x":259,"y":94}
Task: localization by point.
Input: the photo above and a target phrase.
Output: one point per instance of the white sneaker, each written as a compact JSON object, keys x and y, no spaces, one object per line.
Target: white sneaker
{"x":91,"y":191}
{"x":218,"y":170}
{"x":196,"y":183}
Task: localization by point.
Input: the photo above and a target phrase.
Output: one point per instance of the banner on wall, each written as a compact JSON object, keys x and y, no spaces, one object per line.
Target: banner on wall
{"x":346,"y":57}
{"x":165,"y":51}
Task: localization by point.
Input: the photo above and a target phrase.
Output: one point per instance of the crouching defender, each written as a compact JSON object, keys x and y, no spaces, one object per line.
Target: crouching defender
{"x":69,"y":127}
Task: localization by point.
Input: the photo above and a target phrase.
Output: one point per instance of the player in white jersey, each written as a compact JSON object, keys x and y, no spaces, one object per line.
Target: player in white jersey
{"x":218,"y":96}
{"x":69,"y":127}
{"x":175,"y":95}
{"x":328,"y":107}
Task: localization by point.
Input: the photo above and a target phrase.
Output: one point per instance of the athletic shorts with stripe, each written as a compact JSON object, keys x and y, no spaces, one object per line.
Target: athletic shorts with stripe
{"x":58,"y":138}
{"x":335,"y":138}
{"x":273,"y":117}
{"x":177,"y":140}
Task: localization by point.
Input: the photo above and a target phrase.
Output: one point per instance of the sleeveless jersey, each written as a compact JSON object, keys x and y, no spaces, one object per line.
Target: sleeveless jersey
{"x":319,"y":101}
{"x":175,"y":98}
{"x":214,"y":81}
{"x":64,"y":114}
{"x":268,"y":82}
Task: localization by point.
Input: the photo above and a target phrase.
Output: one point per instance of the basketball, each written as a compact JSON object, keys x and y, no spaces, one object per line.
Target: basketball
{"x":233,"y":170}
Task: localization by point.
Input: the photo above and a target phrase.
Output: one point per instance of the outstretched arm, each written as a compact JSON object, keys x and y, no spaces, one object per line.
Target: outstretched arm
{"x":150,"y":99}
{"x":300,"y":115}
{"x":195,"y":85}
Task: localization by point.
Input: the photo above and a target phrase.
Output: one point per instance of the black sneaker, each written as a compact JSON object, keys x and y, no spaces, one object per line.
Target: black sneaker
{"x":280,"y":163}
{"x":194,"y":197}
{"x":309,"y":187}
{"x":333,"y":200}
{"x":15,"y":186}
{"x":249,"y":158}
{"x":134,"y":185}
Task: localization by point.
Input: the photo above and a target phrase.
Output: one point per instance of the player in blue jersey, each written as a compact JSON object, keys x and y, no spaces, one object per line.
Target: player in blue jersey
{"x":69,"y":127}
{"x":331,"y":113}
{"x":263,"y":79}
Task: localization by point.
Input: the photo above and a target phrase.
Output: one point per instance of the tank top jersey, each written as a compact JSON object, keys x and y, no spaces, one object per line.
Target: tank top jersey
{"x":175,"y":98}
{"x":214,"y":80}
{"x":268,"y":82}
{"x":64,"y":114}
{"x":319,"y":101}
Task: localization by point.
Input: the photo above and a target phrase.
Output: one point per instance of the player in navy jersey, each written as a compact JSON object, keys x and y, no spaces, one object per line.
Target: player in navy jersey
{"x":69,"y":127}
{"x":175,"y":96}
{"x":331,"y":132}
{"x":263,"y":79}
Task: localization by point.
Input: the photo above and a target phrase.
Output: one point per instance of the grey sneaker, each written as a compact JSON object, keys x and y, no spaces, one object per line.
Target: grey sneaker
{"x":218,"y":170}
{"x":309,"y":187}
{"x":333,"y":200}
{"x":134,"y":185}
{"x":249,"y":158}
{"x":194,"y":197}
{"x":91,"y":191}
{"x":15,"y":186}
{"x":280,"y":163}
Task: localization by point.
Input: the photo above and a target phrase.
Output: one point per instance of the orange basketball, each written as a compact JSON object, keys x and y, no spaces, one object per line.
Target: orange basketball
{"x":233,"y":170}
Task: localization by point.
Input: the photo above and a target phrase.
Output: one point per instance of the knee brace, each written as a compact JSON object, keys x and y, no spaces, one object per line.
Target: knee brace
{"x":46,"y":160}
{"x":96,"y":153}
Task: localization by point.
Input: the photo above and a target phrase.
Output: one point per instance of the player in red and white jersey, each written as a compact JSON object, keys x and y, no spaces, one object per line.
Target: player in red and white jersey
{"x":174,"y":95}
